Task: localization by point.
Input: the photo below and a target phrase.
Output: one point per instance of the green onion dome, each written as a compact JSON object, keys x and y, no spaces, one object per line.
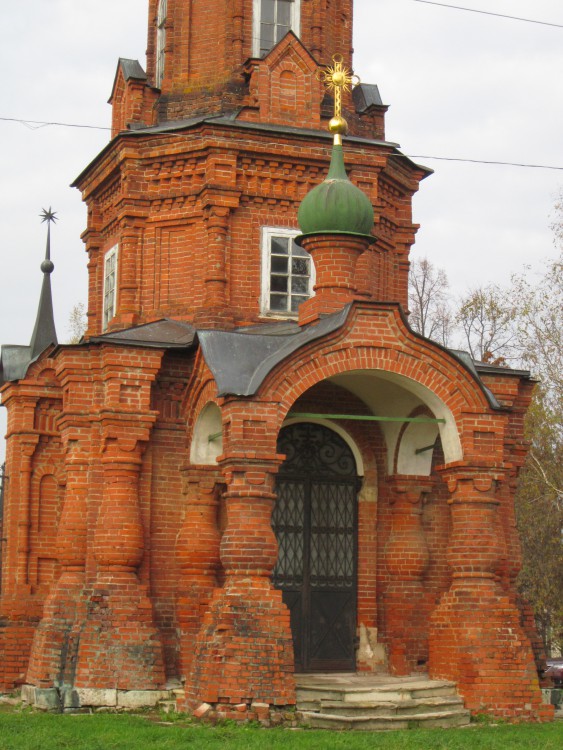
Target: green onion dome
{"x":336,"y":206}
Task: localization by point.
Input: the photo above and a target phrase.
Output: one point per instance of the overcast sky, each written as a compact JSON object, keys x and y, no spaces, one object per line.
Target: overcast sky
{"x":459,"y":85}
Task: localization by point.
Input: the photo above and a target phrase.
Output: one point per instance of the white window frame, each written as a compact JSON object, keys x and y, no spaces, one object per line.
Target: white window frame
{"x":160,"y":41}
{"x":109,"y":299}
{"x":266,"y":240}
{"x":295,"y":24}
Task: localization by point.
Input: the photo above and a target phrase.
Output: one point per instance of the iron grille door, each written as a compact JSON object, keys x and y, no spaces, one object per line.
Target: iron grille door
{"x":315,"y":521}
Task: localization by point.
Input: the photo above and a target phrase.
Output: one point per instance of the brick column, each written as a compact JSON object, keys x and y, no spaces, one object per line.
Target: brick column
{"x":198,"y":556}
{"x":27,"y":448}
{"x":335,"y":257}
{"x":53,"y":654}
{"x":406,"y":560}
{"x":244,"y":650}
{"x":120,"y":645}
{"x":475,"y":634}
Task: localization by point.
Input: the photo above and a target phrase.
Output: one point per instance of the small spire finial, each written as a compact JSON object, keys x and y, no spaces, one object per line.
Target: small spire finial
{"x":48,"y":215}
{"x":337,"y":79}
{"x":44,"y":332}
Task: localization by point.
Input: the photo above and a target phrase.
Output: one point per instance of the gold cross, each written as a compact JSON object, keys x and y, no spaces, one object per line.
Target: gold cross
{"x":337,"y":79}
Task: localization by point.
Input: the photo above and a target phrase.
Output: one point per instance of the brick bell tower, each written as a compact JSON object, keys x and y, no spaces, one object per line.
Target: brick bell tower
{"x":208,"y":165}
{"x":247,"y":294}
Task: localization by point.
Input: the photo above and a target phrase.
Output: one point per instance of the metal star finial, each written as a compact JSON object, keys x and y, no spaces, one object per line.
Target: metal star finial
{"x":48,"y":215}
{"x":337,"y":79}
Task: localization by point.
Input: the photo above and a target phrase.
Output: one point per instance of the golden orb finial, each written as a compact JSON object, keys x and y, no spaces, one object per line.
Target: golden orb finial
{"x":337,"y":79}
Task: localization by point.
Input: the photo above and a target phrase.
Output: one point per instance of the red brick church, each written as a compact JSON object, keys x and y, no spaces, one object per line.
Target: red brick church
{"x":251,"y":467}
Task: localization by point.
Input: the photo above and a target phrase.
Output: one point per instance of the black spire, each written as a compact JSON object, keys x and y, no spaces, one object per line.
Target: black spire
{"x":44,"y":332}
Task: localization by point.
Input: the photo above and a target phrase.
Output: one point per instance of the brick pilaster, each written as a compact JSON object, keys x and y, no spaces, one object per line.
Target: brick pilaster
{"x":406,"y":560}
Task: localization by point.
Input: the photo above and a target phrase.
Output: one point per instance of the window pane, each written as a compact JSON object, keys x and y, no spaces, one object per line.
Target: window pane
{"x":296,"y":250}
{"x":300,"y":266}
{"x":279,"y":283}
{"x":267,"y":14}
{"x":266,"y":37}
{"x":279,"y":264}
{"x":278,"y":302}
{"x":280,"y":245}
{"x":281,"y":31}
{"x":284,"y":13}
{"x":296,"y":301}
{"x":300,"y":284}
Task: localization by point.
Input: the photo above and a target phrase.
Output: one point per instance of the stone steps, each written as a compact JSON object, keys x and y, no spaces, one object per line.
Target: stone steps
{"x":433,"y":720}
{"x":378,"y":704}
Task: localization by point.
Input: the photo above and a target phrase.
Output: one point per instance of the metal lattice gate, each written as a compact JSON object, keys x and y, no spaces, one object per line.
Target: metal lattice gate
{"x":315,"y":522}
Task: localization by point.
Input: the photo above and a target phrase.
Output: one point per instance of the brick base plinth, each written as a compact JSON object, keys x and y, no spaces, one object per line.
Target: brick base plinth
{"x":407,"y":629}
{"x":54,"y":648}
{"x":244,"y":651}
{"x":119,"y":644}
{"x":15,"y":645}
{"x":476,"y":640}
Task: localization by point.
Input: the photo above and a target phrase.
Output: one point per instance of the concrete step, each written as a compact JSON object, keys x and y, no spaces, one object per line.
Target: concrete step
{"x":406,"y":708}
{"x":309,"y":695}
{"x":433,"y":719}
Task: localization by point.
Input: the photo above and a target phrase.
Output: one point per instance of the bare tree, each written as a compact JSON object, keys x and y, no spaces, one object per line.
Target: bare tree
{"x":429,"y":305}
{"x":77,"y":323}
{"x":486,"y":316}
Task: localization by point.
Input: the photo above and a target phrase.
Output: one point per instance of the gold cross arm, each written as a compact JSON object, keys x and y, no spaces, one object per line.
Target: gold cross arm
{"x":337,"y":79}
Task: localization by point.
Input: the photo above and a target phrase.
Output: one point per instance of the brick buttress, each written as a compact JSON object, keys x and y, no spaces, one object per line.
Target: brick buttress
{"x":119,"y":644}
{"x":475,"y":633}
{"x":244,"y":650}
{"x":53,"y":655}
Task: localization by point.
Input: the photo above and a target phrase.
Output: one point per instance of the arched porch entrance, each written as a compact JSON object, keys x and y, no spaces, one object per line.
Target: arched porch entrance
{"x":316,"y":524}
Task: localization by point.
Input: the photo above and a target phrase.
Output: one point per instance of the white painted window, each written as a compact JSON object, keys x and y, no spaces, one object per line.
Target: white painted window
{"x":288,"y":272}
{"x":272,"y":20}
{"x":160,"y":41}
{"x":110,"y":285}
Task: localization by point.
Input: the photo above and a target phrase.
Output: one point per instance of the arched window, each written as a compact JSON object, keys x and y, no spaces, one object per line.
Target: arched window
{"x":160,"y":41}
{"x":272,"y":20}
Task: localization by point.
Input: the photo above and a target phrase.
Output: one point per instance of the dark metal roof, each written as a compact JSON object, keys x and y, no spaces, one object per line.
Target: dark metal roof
{"x":14,"y":361}
{"x":231,"y":121}
{"x":468,"y":361}
{"x":162,"y":334}
{"x":132,"y":69}
{"x":240,"y":362}
{"x":366,"y":95}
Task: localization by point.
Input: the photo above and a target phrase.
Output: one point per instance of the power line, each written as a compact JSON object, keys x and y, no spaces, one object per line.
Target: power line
{"x":490,"y":13}
{"x":483,"y":161}
{"x":42,"y":123}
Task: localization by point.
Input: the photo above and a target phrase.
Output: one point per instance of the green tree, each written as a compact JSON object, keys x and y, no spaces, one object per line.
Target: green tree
{"x":539,"y":500}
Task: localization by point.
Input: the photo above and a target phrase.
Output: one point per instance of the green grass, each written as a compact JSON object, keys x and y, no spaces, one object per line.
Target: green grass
{"x":35,"y":731}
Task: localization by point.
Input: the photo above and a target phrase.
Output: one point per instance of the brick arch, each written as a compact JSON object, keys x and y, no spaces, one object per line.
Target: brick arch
{"x":416,"y":366}
{"x":44,"y":371}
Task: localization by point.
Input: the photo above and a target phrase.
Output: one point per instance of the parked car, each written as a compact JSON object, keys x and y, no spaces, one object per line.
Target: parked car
{"x":555,"y":671}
